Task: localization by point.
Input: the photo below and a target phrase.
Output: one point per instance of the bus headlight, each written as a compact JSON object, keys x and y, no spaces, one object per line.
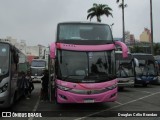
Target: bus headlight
{"x":63,"y":88}
{"x":138,"y":78}
{"x":4,"y":88}
{"x":155,"y":78}
{"x":112,"y":87}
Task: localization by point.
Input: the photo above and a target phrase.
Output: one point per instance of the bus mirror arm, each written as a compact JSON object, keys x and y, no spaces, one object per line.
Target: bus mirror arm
{"x":124,"y":48}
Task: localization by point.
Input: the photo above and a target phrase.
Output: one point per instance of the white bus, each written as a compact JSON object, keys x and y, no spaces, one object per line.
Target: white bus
{"x":37,"y":68}
{"x":125,"y":70}
{"x":9,"y":73}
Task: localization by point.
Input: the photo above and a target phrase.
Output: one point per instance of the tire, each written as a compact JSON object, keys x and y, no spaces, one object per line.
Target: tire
{"x":145,"y":84}
{"x":120,"y":88}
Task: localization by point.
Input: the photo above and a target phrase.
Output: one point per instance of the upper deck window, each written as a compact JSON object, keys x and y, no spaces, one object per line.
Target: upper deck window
{"x":84,"y":31}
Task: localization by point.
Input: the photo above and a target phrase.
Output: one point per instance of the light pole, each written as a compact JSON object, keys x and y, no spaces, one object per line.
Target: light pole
{"x":123,"y":20}
{"x":111,"y":25}
{"x":151,"y":20}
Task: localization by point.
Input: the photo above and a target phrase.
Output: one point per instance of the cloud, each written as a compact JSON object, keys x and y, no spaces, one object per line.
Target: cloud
{"x":36,"y":20}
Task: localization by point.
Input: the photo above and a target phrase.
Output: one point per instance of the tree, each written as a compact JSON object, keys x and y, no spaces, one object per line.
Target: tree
{"x":98,"y":10}
{"x":122,"y":5}
{"x":137,"y":49}
{"x":156,"y":49}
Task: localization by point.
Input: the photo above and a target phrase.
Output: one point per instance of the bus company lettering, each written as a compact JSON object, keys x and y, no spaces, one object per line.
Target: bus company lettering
{"x":34,"y":115}
{"x":26,"y":114}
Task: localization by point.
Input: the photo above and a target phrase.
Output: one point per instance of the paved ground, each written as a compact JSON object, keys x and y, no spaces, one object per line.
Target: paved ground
{"x":131,"y":101}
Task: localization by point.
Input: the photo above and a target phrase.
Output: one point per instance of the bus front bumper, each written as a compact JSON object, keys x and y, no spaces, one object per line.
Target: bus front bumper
{"x":36,"y":78}
{"x":125,"y":82}
{"x":146,"y":80}
{"x":68,"y":97}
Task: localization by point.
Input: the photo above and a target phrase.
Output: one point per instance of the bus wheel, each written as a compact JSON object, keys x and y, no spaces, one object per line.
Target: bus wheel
{"x":135,"y":85}
{"x":15,"y":97}
{"x":120,"y":88}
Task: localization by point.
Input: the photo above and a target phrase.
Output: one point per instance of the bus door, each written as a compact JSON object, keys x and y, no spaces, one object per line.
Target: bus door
{"x":14,"y":73}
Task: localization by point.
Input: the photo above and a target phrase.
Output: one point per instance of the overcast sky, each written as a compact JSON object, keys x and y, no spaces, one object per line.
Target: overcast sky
{"x":35,"y":20}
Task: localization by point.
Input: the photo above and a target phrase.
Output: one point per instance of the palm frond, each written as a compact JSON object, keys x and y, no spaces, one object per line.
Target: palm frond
{"x":98,"y":10}
{"x":124,"y":6}
{"x":91,"y":15}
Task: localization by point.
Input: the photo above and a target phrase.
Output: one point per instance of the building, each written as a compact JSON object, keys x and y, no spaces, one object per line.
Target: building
{"x":145,"y":36}
{"x":30,"y":51}
{"x":129,"y":38}
{"x":9,"y":39}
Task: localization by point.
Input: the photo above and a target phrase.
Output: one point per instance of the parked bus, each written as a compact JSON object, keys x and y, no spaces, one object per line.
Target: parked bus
{"x":147,"y":71}
{"x":37,"y":68}
{"x":125,"y":70}
{"x":84,"y":55}
{"x":157,"y":60}
{"x":9,"y":60}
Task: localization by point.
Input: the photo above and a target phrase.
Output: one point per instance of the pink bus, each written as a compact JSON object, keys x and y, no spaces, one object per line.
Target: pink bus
{"x":84,"y":55}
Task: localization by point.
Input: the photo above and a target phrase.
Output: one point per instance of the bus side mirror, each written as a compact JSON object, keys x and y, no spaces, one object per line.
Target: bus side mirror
{"x":52,"y":50}
{"x":136,"y":63}
{"x":124,"y":48}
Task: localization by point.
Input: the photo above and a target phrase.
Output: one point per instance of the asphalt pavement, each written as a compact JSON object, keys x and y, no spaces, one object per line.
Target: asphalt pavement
{"x":140,"y":103}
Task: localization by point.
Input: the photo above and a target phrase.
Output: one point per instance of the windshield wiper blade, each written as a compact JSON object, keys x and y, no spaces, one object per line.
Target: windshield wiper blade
{"x":70,"y":77}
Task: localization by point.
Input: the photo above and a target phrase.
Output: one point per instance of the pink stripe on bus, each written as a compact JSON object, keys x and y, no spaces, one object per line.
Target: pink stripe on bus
{"x":85,"y":47}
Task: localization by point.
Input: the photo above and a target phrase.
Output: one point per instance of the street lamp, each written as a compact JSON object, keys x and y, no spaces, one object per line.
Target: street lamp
{"x":151,"y":20}
{"x":111,"y":25}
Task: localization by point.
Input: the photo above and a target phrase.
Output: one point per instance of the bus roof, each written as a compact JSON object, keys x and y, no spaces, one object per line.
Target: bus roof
{"x":81,"y":22}
{"x":119,"y":56}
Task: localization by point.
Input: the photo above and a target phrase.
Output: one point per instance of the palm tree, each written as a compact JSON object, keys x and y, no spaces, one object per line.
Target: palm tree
{"x":98,"y":10}
{"x":122,"y":5}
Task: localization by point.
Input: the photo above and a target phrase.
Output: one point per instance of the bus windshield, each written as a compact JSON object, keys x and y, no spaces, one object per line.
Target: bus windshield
{"x":86,"y":66}
{"x":4,"y":59}
{"x":146,"y":67}
{"x":38,"y":63}
{"x":124,"y":66}
{"x":72,"y":31}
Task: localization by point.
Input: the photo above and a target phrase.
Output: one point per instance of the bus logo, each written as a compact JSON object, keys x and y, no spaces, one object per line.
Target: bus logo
{"x":89,"y":92}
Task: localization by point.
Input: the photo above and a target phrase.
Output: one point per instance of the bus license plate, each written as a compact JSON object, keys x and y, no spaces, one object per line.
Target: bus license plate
{"x":88,"y":101}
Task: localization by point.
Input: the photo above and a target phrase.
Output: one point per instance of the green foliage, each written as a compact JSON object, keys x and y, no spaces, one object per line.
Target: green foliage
{"x":98,"y":10}
{"x":156,"y":49}
{"x":136,"y":49}
{"x":122,"y":5}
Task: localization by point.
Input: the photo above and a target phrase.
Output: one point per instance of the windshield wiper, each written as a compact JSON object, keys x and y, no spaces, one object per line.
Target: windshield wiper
{"x":70,"y":77}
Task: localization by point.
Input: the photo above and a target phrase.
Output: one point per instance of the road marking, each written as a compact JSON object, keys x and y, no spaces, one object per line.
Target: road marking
{"x":117,"y":106}
{"x":35,"y":108}
{"x":118,"y":103}
{"x":143,"y":91}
